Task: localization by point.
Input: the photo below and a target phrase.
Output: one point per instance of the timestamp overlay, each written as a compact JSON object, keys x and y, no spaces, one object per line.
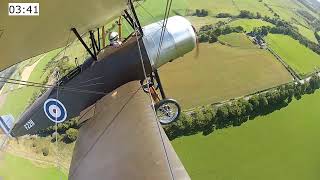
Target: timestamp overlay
{"x":23,"y":9}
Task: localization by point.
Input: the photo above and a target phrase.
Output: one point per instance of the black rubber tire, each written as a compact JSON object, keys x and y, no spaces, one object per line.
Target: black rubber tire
{"x":164,"y":101}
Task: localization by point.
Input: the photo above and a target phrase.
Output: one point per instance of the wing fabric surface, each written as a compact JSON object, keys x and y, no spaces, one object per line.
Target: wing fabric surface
{"x":24,"y":37}
{"x":122,"y":141}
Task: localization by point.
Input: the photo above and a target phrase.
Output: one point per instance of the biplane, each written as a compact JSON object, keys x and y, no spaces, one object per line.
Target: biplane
{"x":116,"y":89}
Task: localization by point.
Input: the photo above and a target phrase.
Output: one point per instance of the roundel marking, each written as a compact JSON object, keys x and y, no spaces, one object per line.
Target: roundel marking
{"x":55,"y":110}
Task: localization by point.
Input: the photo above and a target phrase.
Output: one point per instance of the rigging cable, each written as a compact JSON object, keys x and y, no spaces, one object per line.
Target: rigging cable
{"x":164,"y":26}
{"x":56,"y":114}
{"x":56,"y":128}
{"x":151,"y":100}
{"x":33,"y":84}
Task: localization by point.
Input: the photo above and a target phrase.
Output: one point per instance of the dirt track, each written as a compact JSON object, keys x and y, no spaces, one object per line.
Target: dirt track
{"x":2,"y":99}
{"x":27,"y":71}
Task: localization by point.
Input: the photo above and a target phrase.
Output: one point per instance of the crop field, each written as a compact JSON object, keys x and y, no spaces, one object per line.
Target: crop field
{"x":237,"y":40}
{"x":249,"y":24}
{"x":299,"y":57}
{"x":307,"y":33}
{"x":220,"y":73}
{"x":278,"y":146}
{"x":14,"y":168}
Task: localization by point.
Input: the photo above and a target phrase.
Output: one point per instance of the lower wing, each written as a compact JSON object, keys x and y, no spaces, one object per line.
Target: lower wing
{"x":123,"y":140}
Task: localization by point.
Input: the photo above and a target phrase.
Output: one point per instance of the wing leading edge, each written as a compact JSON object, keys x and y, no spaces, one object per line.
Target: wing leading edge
{"x":24,"y":37}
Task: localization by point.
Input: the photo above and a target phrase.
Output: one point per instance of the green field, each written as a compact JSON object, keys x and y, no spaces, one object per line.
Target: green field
{"x":279,"y":146}
{"x":220,"y":73}
{"x":214,"y":6}
{"x":237,"y":40}
{"x":198,"y":22}
{"x":18,"y":98}
{"x":253,"y":6}
{"x":298,"y":57}
{"x":307,"y":33}
{"x":15,"y":168}
{"x":286,"y":9}
{"x":249,"y":24}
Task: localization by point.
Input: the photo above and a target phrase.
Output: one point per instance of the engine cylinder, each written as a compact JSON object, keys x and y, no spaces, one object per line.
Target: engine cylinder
{"x":179,"y":38}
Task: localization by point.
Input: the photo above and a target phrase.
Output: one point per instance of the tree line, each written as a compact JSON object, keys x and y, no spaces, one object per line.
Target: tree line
{"x":211,"y":118}
{"x":210,"y":33}
{"x":285,"y":28}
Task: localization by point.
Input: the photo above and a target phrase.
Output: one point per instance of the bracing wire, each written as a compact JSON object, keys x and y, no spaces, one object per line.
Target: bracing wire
{"x":151,"y":100}
{"x":56,"y":131}
{"x":164,"y":26}
{"x":56,"y":116}
{"x":141,"y":5}
{"x":66,"y":88}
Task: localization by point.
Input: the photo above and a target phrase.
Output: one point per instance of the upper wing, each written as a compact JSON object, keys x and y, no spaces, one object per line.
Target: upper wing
{"x":122,"y":141}
{"x":25,"y":37}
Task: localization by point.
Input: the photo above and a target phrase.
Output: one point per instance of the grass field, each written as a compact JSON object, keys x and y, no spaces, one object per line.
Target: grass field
{"x":17,"y":99}
{"x":286,"y":9}
{"x":249,"y":24}
{"x":237,"y":40}
{"x":299,"y":57}
{"x":198,"y":22}
{"x":214,"y":6}
{"x":279,"y":146}
{"x":15,"y":168}
{"x":253,"y":6}
{"x":220,"y":73}
{"x":307,"y":33}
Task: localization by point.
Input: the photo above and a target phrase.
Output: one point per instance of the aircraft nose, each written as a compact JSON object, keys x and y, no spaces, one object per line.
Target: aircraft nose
{"x":178,"y":39}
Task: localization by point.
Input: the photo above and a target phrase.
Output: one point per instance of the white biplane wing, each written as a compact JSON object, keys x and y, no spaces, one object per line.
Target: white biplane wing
{"x":25,"y":37}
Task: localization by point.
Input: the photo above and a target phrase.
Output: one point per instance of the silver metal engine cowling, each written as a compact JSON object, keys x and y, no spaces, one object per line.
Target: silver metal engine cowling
{"x":179,"y":39}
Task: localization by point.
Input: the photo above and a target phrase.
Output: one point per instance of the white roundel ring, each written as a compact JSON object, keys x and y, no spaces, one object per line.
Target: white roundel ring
{"x":55,"y":110}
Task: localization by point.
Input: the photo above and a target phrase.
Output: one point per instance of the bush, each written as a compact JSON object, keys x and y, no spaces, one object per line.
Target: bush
{"x":201,"y":13}
{"x":45,"y":151}
{"x":213,"y":39}
{"x":223,"y":15}
{"x":246,"y":14}
{"x":54,"y":137}
{"x":71,"y":135}
{"x":34,"y":144}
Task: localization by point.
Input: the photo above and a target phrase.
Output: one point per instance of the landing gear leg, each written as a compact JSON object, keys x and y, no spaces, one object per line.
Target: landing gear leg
{"x":167,"y":110}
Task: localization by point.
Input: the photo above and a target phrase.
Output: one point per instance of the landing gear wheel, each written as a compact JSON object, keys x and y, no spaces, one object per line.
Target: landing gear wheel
{"x":168,"y":111}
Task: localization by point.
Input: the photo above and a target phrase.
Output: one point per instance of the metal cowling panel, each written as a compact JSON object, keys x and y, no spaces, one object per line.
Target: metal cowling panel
{"x":179,"y":39}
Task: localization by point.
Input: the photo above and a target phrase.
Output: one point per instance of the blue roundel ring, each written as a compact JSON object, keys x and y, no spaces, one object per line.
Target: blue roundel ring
{"x":55,"y":110}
